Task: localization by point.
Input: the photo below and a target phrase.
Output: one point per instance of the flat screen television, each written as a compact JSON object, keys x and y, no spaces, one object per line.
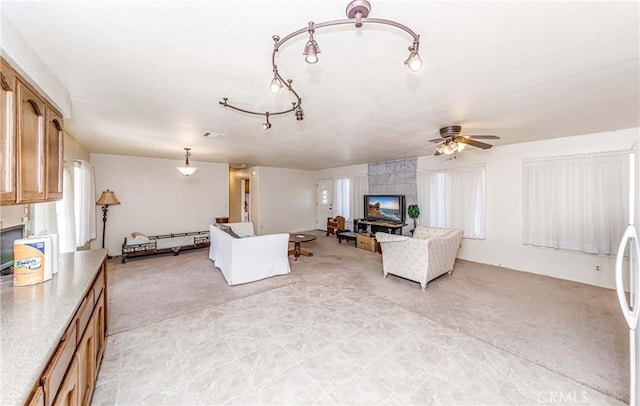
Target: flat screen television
{"x":7,"y":237}
{"x":387,"y":208}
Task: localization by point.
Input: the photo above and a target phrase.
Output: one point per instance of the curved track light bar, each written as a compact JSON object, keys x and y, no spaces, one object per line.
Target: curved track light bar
{"x":357,"y":11}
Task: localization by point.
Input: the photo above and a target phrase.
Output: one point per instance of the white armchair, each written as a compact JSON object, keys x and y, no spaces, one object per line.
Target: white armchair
{"x":430,"y":253}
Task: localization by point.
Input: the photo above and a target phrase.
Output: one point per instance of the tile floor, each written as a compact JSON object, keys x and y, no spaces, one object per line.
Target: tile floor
{"x":310,"y":344}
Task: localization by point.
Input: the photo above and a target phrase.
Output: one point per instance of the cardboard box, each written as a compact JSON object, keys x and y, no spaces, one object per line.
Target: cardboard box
{"x":366,"y":242}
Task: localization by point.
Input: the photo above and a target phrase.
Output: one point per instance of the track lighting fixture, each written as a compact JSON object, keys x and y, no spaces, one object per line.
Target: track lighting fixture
{"x":414,"y":62}
{"x":276,"y":83}
{"x":266,"y":125}
{"x":357,"y":11}
{"x":311,"y":50}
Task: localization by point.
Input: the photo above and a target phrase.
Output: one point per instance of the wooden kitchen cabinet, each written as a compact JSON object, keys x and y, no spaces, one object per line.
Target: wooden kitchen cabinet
{"x":7,"y":136}
{"x":54,"y":156}
{"x":86,"y":355}
{"x":68,"y":395}
{"x":32,"y":143}
{"x":31,"y":147}
{"x":38,"y":398}
{"x":71,"y":373}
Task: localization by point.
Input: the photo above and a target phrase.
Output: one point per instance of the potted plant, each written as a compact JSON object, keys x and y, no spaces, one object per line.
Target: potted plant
{"x":414,"y":212}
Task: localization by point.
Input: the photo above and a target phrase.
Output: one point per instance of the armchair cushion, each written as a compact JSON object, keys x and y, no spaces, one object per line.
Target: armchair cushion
{"x":430,"y":253}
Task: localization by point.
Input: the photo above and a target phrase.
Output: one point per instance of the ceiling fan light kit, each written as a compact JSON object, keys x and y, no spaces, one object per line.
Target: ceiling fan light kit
{"x":357,"y":12}
{"x":451,"y":141}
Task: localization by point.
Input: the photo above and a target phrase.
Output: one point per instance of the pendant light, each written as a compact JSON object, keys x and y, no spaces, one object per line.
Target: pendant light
{"x":187,"y":170}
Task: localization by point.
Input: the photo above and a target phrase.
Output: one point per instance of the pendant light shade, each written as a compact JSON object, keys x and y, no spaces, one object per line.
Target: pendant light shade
{"x":187,"y":170}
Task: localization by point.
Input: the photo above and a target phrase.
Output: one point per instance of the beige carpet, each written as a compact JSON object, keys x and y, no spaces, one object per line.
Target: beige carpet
{"x":573,"y":329}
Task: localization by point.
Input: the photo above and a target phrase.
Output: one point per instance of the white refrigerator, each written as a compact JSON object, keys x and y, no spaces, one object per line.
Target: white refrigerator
{"x":630,"y":303}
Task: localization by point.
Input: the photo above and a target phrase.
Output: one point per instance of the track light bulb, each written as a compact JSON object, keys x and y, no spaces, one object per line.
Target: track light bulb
{"x":267,"y":124}
{"x":311,"y":52}
{"x":414,"y":62}
{"x":299,"y":114}
{"x":276,"y":85}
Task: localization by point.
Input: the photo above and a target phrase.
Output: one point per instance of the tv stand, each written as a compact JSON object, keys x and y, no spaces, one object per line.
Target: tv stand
{"x":376,"y":226}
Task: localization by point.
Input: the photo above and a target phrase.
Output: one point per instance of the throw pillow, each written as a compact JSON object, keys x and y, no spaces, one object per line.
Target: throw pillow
{"x":228,"y":230}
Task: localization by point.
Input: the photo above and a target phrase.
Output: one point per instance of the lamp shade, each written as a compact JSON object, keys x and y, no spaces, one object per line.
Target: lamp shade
{"x":187,"y":170}
{"x":108,"y":198}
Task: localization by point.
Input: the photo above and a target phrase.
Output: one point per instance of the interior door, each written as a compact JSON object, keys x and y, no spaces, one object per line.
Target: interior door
{"x":324,"y":202}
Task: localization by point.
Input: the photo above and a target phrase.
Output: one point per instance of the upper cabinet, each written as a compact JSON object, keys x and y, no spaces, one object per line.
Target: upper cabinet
{"x":31,"y":147}
{"x":32,"y":143}
{"x":7,"y":136}
{"x":55,"y":156}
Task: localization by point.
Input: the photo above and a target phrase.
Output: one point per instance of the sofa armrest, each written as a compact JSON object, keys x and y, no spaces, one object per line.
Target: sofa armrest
{"x":386,"y":237}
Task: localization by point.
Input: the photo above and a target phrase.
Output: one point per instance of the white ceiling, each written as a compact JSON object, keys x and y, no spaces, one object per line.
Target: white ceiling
{"x":145,"y":77}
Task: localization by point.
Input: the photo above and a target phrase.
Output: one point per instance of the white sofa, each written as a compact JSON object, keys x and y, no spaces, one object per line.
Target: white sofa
{"x":430,"y":253}
{"x":250,"y":257}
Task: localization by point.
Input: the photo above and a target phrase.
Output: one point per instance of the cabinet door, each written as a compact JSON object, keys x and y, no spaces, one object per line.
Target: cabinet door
{"x":31,"y":146}
{"x":38,"y":398}
{"x":86,"y":354}
{"x":101,"y":331}
{"x":55,"y":372}
{"x":7,"y":136}
{"x":55,"y":155}
{"x":68,"y":395}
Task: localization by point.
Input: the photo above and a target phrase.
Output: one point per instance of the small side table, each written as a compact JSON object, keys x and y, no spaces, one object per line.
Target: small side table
{"x":296,"y":239}
{"x":347,"y":235}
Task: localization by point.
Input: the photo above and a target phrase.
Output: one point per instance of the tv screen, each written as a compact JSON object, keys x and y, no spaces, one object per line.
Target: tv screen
{"x":388,"y":208}
{"x":7,"y":237}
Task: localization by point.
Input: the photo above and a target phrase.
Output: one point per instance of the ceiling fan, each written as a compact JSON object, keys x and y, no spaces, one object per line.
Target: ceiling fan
{"x":451,"y":141}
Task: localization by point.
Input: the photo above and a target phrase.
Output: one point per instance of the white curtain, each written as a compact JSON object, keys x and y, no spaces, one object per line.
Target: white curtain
{"x":66,"y":216}
{"x":359,"y":185}
{"x":44,"y":218}
{"x":84,"y":203}
{"x":576,"y":203}
{"x":341,"y":197}
{"x":454,"y":198}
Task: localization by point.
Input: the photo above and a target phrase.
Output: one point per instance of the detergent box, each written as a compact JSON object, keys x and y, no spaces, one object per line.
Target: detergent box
{"x":30,"y":258}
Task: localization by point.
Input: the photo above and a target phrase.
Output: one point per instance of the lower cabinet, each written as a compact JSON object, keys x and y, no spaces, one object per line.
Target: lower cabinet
{"x":68,"y":393}
{"x":70,"y":376}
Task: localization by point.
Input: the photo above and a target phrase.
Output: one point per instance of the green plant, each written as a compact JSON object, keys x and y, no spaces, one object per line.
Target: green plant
{"x":414,"y":212}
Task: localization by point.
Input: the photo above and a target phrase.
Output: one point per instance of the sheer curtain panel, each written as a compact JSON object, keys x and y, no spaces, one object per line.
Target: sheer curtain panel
{"x":341,"y":197}
{"x":577,"y":203}
{"x":454,"y":198}
{"x":84,"y":203}
{"x":359,"y":185}
{"x":66,"y":216}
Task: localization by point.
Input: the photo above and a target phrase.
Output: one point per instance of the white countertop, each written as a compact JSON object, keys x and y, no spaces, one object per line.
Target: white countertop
{"x":33,"y":319}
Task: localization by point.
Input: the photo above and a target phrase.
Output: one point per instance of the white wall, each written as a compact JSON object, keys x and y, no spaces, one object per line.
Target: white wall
{"x":285,"y":199}
{"x":24,"y":59}
{"x":156,"y":199}
{"x":503,"y":244}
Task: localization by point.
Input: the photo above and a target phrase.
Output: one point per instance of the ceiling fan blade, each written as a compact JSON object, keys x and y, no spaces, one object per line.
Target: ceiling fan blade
{"x":483,"y":137}
{"x":474,"y":143}
{"x":436,"y":140}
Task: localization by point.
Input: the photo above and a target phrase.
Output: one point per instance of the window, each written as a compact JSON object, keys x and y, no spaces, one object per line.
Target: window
{"x":577,"y":203}
{"x":341,"y":203}
{"x":454,"y":198}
